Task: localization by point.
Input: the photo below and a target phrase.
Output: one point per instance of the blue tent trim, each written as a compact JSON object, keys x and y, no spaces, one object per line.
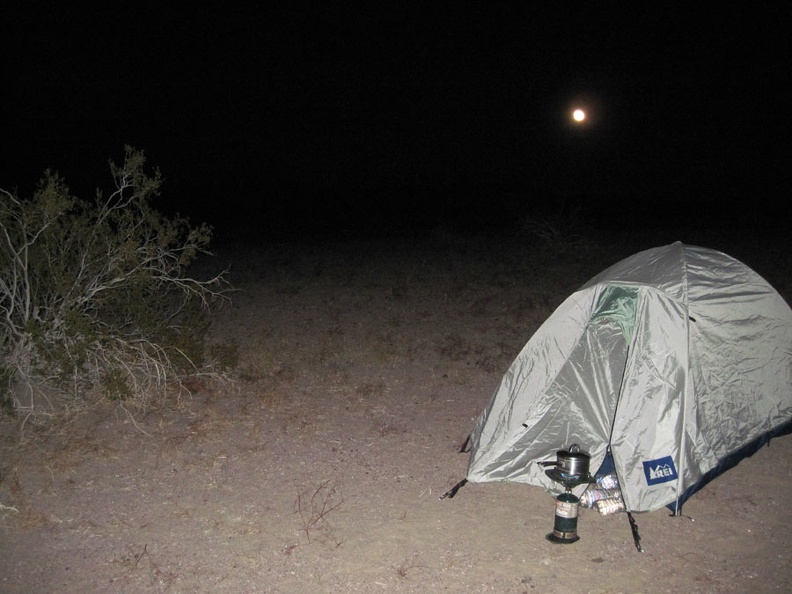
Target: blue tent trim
{"x":730,"y":462}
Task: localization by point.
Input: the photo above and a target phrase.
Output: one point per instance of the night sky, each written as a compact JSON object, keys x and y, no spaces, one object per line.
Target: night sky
{"x":312,"y":116}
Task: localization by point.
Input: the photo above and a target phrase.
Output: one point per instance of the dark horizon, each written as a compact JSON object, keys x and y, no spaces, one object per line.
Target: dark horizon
{"x":304,"y":118}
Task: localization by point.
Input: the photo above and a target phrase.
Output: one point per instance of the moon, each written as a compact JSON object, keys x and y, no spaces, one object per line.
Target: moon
{"x":579,"y":115}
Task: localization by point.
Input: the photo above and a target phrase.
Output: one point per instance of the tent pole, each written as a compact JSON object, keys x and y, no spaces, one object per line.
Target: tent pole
{"x":685,"y":400}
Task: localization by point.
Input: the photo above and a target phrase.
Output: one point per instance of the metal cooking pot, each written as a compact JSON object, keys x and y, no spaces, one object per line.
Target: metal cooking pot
{"x":571,"y":462}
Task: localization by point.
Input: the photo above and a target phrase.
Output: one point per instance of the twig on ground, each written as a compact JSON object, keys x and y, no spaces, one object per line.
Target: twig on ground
{"x":313,"y":511}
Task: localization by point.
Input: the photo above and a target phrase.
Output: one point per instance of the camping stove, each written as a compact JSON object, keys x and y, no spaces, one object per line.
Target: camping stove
{"x":567,"y":504}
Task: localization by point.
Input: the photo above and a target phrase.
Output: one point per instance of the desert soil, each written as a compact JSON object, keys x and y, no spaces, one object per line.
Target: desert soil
{"x":363,"y":366}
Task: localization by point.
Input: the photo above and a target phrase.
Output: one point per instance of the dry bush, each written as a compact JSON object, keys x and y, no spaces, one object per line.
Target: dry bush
{"x":555,"y":228}
{"x":94,"y":295}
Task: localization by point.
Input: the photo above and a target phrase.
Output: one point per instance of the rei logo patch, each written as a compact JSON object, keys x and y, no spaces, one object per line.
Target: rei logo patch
{"x":661,"y":470}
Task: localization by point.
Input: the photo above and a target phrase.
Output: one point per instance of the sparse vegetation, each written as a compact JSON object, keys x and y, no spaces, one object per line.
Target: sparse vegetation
{"x":555,"y":228}
{"x":95,"y":297}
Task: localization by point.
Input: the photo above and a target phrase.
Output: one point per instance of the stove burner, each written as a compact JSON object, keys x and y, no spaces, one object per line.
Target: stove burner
{"x":569,"y":480}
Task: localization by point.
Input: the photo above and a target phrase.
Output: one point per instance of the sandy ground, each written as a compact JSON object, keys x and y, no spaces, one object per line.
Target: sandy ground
{"x":363,"y":367}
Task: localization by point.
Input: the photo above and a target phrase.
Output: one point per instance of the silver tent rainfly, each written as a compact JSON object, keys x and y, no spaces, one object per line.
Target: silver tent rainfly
{"x":670,"y":367}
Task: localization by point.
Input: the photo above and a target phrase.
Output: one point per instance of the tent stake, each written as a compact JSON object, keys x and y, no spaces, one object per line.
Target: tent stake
{"x":453,"y":490}
{"x":636,"y":536}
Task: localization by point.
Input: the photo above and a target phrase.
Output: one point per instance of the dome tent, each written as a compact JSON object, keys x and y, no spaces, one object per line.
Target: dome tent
{"x":674,"y":364}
